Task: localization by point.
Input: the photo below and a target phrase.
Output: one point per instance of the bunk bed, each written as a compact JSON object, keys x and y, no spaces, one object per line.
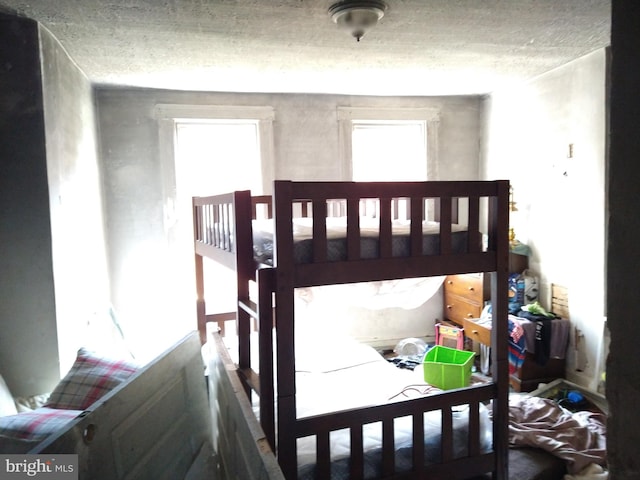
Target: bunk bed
{"x":395,"y":247}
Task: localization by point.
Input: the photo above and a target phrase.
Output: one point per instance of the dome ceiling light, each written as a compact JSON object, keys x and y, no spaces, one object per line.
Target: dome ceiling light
{"x":357,"y":17}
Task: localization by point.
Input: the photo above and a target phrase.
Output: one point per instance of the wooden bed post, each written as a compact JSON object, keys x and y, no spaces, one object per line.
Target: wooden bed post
{"x":285,"y":345}
{"x":245,"y":271}
{"x":266,"y":287}
{"x":200,"y":306}
{"x":499,"y":242}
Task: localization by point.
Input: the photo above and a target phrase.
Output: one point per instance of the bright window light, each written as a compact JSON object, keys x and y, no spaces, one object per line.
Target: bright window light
{"x":217,"y":156}
{"x":389,"y":150}
{"x":213,"y":157}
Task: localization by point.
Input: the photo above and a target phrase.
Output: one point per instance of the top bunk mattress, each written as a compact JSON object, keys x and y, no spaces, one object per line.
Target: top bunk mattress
{"x":263,"y":239}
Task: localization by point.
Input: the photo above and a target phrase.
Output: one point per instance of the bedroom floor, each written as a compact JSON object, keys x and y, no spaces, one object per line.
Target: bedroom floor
{"x":532,"y":464}
{"x":525,"y":463}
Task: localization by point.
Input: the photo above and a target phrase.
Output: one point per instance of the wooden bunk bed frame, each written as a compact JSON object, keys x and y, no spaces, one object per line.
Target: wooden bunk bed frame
{"x":223,"y":232}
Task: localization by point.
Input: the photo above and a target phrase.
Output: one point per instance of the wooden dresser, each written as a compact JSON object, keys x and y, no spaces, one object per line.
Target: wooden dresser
{"x":529,"y":375}
{"x":464,"y":296}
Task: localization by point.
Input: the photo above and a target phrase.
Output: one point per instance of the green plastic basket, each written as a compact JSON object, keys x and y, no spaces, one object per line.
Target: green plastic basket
{"x":447,"y":368}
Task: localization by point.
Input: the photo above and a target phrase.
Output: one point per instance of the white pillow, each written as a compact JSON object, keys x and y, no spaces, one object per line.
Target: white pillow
{"x":313,"y":356}
{"x":7,"y":404}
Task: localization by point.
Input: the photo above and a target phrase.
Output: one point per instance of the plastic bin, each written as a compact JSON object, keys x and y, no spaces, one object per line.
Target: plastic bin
{"x":447,"y":368}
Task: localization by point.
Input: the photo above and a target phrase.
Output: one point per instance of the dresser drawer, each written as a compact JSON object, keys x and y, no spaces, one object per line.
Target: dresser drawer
{"x":468,"y":286}
{"x":457,"y":308}
{"x":477,"y":333}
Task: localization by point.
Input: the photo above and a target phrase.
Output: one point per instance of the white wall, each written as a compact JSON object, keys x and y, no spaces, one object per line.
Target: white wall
{"x":527,"y":133}
{"x":144,"y":281}
{"x":75,"y":201}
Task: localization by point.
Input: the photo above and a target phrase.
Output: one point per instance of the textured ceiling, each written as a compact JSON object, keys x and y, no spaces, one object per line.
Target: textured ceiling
{"x":420,"y":47}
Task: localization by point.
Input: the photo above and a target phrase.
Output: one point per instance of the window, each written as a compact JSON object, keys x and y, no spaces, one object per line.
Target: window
{"x":393,"y":150}
{"x":217,"y":156}
{"x":397,"y":144}
{"x":212,"y":157}
{"x":225,"y":125}
{"x":204,"y":150}
{"x":389,"y":144}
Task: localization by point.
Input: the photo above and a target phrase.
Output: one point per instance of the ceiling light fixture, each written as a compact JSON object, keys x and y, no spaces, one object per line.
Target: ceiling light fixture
{"x":357,"y":17}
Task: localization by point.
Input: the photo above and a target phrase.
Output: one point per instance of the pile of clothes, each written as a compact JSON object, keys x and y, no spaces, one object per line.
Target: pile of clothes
{"x":534,"y":329}
{"x":579,"y":438}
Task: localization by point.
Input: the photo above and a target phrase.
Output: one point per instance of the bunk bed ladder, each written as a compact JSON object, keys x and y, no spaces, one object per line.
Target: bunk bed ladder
{"x":250,"y":314}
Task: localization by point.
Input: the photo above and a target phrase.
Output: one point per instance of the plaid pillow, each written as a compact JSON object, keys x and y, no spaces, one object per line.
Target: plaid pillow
{"x":90,"y":377}
{"x":36,"y":424}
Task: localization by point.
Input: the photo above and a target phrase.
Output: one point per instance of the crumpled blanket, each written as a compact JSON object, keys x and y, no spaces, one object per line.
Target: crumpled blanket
{"x":578,"y":438}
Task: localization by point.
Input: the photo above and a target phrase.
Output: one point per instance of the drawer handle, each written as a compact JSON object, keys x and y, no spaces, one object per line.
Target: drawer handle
{"x":469,"y":315}
{"x":471,"y":289}
{"x":475,"y":332}
{"x":449,"y":282}
{"x":449,"y":307}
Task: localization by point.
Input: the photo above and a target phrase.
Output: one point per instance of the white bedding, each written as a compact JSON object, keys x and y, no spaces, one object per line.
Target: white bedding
{"x":376,"y":382}
{"x":353,"y":379}
{"x":338,"y":373}
{"x":405,"y":293}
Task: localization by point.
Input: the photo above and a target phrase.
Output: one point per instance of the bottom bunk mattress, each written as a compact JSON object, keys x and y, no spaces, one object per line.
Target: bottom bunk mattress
{"x":336,"y":374}
{"x":403,"y":450}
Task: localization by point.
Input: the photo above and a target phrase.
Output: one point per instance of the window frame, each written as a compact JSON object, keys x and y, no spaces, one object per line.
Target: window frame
{"x":169,"y":115}
{"x":348,"y":116}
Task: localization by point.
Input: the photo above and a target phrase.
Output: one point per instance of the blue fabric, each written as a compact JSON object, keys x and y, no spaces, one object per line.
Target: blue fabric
{"x":517,"y":350}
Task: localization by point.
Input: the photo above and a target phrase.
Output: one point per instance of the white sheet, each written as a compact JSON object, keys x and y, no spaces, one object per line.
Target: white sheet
{"x":405,"y":293}
{"x":338,"y":373}
{"x":368,"y":384}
